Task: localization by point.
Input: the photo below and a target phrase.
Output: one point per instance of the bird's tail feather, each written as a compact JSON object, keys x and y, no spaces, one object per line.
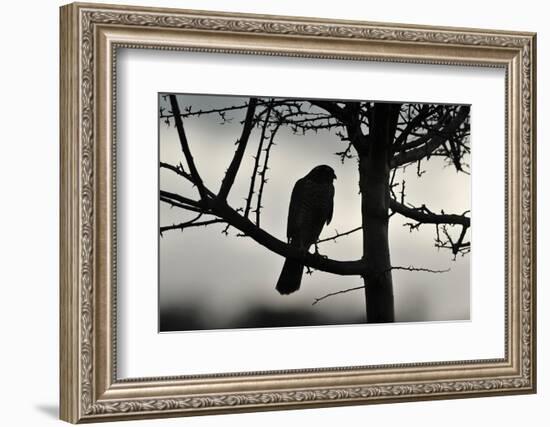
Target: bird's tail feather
{"x":290,"y":278}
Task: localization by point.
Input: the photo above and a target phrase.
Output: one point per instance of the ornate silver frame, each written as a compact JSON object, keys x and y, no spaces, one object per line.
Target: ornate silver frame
{"x":90,"y":35}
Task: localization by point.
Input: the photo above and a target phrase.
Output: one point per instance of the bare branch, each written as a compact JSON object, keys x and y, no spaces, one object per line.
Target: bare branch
{"x":433,"y":142}
{"x":457,"y":247}
{"x":424,"y":112}
{"x":176,"y":204}
{"x":319,"y":262}
{"x":333,"y":108}
{"x":191,"y":223}
{"x":345,"y":291}
{"x":337,"y":235}
{"x":257,"y":161}
{"x":346,"y":154}
{"x":229,"y":177}
{"x":185,"y":147}
{"x":420,"y":269}
{"x":424,"y":216}
{"x":188,"y":111}
{"x":263,"y":173}
{"x":179,"y":170}
{"x":180,"y":199}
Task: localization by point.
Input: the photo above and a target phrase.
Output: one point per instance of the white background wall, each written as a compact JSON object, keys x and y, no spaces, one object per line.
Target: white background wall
{"x":29,"y":170}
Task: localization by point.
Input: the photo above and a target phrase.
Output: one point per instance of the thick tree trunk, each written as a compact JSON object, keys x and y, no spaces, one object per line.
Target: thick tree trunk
{"x":374,"y":175}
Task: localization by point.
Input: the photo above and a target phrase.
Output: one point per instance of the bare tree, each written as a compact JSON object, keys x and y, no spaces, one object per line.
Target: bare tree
{"x":381,"y":137}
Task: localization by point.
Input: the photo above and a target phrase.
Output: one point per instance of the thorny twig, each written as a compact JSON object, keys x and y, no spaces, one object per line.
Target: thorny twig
{"x":344,"y":291}
{"x":337,"y":235}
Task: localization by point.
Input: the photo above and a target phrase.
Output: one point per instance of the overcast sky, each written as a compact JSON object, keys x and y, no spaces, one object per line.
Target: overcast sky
{"x":209,"y":280}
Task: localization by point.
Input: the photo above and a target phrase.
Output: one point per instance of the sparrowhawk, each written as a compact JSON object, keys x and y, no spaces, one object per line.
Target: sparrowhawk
{"x":311,"y":207}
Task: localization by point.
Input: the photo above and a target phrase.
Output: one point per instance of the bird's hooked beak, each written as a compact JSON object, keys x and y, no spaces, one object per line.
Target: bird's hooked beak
{"x":333,"y":175}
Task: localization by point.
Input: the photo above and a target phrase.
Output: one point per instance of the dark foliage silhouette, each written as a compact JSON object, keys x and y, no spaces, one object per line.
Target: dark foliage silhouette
{"x":186,"y":317}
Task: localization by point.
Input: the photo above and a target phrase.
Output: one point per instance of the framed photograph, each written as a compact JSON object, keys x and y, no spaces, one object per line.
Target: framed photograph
{"x":266,"y":212}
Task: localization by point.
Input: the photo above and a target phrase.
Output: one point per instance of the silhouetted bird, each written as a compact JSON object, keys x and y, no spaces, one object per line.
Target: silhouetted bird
{"x":311,"y":207}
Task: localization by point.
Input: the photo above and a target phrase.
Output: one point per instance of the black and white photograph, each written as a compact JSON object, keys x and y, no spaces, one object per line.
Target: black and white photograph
{"x":281,"y":212}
